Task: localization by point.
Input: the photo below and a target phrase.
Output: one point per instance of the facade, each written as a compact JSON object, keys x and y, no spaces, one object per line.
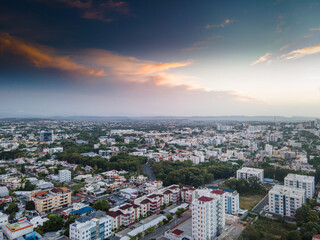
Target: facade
{"x":285,"y":200}
{"x":3,"y":219}
{"x":17,"y":229}
{"x":208,"y":214}
{"x":231,"y":202}
{"x":247,"y":173}
{"x":4,"y":192}
{"x":64,"y":176}
{"x":46,"y":136}
{"x":50,"y":200}
{"x":302,"y":182}
{"x":95,"y":226}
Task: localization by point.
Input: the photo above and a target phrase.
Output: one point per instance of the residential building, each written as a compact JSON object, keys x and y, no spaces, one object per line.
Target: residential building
{"x":4,"y":192}
{"x":301,"y":181}
{"x":208,"y":214}
{"x":17,"y":229}
{"x":3,"y":219}
{"x":64,"y":176}
{"x":247,"y":173}
{"x":50,"y":200}
{"x":231,"y":201}
{"x":95,"y":226}
{"x":46,"y":136}
{"x":285,"y":200}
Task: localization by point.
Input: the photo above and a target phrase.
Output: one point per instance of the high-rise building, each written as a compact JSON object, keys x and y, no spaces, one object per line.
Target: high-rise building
{"x":208,"y":214}
{"x":285,"y":200}
{"x":64,"y":176}
{"x":95,"y":226}
{"x":231,"y":201}
{"x":302,"y":182}
{"x":269,"y":149}
{"x":247,"y":173}
{"x":46,"y":136}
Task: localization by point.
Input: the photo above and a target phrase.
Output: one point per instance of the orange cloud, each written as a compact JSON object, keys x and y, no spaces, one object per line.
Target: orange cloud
{"x":261,"y":59}
{"x":298,"y":53}
{"x":43,"y":57}
{"x":98,"y":10}
{"x":159,"y":67}
{"x":221,"y":25}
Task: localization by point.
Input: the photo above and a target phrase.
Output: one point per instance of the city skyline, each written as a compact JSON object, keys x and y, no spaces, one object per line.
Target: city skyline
{"x":153,"y":58}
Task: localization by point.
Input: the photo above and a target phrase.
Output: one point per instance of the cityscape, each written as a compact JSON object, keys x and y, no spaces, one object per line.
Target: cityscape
{"x":159,"y":120}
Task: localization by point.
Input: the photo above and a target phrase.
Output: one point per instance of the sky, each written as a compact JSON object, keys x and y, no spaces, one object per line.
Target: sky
{"x":159,"y":58}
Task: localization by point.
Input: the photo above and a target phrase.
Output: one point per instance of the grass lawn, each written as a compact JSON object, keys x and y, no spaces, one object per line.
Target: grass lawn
{"x":249,"y":201}
{"x":265,"y":229}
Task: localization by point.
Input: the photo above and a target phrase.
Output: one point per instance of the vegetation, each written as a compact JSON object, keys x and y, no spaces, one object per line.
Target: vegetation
{"x":123,"y":161}
{"x":266,"y":229}
{"x":30,"y":205}
{"x":101,"y":205}
{"x":55,"y":223}
{"x":186,"y":174}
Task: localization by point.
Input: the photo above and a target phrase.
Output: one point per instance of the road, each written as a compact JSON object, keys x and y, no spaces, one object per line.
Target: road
{"x":160,"y":231}
{"x":148,"y":170}
{"x":259,"y":207}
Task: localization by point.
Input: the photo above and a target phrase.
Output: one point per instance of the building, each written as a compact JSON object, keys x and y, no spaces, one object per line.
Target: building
{"x":129,"y":193}
{"x":3,"y":219}
{"x":95,"y":226}
{"x":4,"y":192}
{"x":46,"y":136}
{"x":231,"y":201}
{"x":247,"y":173}
{"x":269,"y":149}
{"x":208,"y":214}
{"x":18,"y":229}
{"x":50,"y":200}
{"x":64,"y":176}
{"x":302,"y":182}
{"x":285,"y":200}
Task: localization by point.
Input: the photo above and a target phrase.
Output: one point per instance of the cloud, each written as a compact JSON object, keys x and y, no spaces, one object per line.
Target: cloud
{"x":98,"y":10}
{"x":261,"y":59}
{"x":284,"y":47}
{"x":221,"y":25}
{"x":298,"y":53}
{"x":44,"y":57}
{"x":314,"y":29}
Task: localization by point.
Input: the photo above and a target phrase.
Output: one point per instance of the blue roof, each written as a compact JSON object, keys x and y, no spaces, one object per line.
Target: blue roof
{"x":268,"y":180}
{"x":228,"y":190}
{"x":83,"y":210}
{"x":213,"y":187}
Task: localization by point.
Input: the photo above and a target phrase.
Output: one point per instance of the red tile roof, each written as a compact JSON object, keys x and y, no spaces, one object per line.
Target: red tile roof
{"x":217,"y":191}
{"x":315,"y":237}
{"x":205,"y":199}
{"x":177,"y":232}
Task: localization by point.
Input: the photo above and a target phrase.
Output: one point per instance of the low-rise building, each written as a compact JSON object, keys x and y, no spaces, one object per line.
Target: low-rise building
{"x":50,"y":200}
{"x":246,"y":173}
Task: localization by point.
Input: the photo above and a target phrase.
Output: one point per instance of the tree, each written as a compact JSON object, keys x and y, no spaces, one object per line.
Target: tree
{"x":23,"y":169}
{"x":54,"y":223}
{"x":30,"y":205}
{"x":102,"y":205}
{"x":294,"y":235}
{"x":12,"y":208}
{"x":169,"y":217}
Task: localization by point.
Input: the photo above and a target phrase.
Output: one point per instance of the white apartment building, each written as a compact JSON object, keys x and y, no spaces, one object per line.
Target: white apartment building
{"x":64,"y":176}
{"x":302,"y":182}
{"x":95,"y":226}
{"x":231,"y":202}
{"x":3,"y":219}
{"x":247,"y":173}
{"x":269,"y":149}
{"x":285,"y":200}
{"x":208,"y":214}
